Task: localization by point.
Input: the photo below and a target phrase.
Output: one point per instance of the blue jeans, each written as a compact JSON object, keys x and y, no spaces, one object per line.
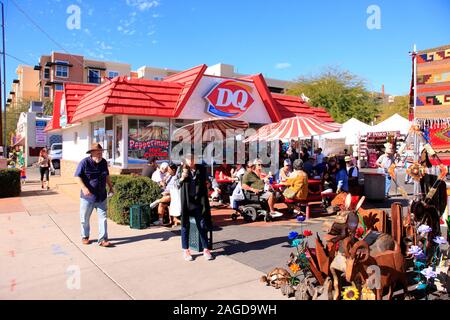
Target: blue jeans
{"x":86,"y":209}
{"x":388,"y":183}
{"x":201,"y":225}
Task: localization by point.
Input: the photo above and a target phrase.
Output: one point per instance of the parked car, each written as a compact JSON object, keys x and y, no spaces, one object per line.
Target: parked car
{"x":56,"y":155}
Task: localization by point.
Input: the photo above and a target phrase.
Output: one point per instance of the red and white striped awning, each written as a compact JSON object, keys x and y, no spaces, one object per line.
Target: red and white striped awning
{"x":207,"y":129}
{"x":292,"y":128}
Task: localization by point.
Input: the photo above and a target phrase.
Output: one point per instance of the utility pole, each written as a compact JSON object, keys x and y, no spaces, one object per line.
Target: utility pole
{"x":416,"y":138}
{"x":4,"y":140}
{"x":2,"y":130}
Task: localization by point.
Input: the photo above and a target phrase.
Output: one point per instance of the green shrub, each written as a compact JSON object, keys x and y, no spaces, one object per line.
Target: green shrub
{"x":9,"y":183}
{"x":129,"y":190}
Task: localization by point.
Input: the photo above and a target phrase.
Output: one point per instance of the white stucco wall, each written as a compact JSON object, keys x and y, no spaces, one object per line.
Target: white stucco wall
{"x":75,"y":151}
{"x":196,"y":107}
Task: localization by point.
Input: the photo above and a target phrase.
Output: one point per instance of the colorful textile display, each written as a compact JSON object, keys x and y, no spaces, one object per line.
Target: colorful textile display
{"x":432,"y":112}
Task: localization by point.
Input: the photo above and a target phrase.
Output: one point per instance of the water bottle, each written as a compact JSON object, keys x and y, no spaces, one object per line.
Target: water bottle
{"x":270,"y":178}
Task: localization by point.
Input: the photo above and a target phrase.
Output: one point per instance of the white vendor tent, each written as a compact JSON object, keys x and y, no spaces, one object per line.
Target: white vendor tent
{"x":393,"y":123}
{"x":349,"y":132}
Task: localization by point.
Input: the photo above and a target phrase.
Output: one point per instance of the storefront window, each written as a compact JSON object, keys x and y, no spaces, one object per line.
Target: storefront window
{"x":109,"y":129}
{"x":179,"y":148}
{"x":98,"y":132}
{"x":118,"y":160}
{"x":147,"y":139}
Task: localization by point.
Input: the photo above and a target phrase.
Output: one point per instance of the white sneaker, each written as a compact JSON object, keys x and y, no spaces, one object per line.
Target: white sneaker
{"x":187,"y":255}
{"x":154,"y":204}
{"x":276,"y":214}
{"x":207,"y":254}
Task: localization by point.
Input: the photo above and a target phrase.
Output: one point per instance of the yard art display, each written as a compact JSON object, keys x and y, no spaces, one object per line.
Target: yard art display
{"x":373,"y":262}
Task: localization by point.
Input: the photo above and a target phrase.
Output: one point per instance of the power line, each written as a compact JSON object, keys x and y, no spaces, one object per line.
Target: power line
{"x":18,"y":59}
{"x":44,"y":32}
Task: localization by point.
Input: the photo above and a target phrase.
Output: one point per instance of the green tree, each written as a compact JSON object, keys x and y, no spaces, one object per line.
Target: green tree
{"x":48,"y":108}
{"x":400,"y":106}
{"x":341,"y":93}
{"x":13,"y":114}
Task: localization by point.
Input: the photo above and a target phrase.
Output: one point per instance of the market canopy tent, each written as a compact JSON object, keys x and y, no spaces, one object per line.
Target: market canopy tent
{"x":393,"y":123}
{"x":349,"y":132}
{"x":292,"y":128}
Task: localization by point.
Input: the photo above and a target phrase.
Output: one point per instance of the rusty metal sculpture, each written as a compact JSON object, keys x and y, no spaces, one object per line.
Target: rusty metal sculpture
{"x":397,"y":222}
{"x":390,"y":262}
{"x":345,"y":223}
{"x":276,"y":278}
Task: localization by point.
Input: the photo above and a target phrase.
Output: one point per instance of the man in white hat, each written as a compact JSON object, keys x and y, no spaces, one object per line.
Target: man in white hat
{"x":93,"y":175}
{"x":286,"y":170}
{"x":160,"y":174}
{"x":384,"y":162}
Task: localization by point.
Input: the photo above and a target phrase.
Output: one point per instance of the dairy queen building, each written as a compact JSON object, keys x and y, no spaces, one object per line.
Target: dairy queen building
{"x":134,"y":119}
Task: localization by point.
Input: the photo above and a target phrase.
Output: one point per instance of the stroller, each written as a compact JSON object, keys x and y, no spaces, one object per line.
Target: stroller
{"x":250,"y":210}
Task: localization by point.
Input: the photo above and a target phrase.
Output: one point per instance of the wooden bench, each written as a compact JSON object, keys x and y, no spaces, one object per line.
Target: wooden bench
{"x":308,"y":202}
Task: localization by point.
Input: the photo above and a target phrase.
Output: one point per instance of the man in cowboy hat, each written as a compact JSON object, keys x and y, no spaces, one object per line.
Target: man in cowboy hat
{"x":384,"y":162}
{"x":93,"y":176}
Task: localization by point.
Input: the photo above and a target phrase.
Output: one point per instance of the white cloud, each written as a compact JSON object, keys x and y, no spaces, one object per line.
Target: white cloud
{"x":104,"y":46}
{"x":154,"y":42}
{"x":90,"y":12}
{"x":143,"y":5}
{"x":156,"y":15}
{"x":283,"y":65}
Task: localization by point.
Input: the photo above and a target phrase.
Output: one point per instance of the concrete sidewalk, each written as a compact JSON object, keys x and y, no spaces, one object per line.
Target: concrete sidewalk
{"x":42,"y":258}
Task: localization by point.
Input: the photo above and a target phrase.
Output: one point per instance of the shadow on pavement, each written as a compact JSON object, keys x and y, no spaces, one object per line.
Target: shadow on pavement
{"x":234,"y":246}
{"x":162,"y":236}
{"x":34,"y":193}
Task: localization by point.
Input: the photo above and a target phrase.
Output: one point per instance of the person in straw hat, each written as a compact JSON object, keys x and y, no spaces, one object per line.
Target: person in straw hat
{"x":384,"y":162}
{"x":93,"y":175}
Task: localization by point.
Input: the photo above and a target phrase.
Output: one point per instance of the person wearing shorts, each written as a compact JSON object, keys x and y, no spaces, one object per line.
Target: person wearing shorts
{"x":45,"y":164}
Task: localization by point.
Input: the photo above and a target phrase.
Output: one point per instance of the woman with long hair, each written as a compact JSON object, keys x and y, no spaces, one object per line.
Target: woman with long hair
{"x":45,"y":164}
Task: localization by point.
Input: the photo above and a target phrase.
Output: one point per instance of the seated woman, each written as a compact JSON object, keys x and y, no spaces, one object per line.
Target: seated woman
{"x":298,"y":181}
{"x":164,"y":202}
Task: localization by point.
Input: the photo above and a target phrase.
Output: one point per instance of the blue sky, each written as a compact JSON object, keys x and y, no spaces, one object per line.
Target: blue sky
{"x":282,"y":39}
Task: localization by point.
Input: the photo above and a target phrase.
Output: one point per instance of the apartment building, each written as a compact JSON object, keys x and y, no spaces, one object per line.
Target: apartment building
{"x":25,"y":86}
{"x":58,"y":68}
{"x":219,"y":70}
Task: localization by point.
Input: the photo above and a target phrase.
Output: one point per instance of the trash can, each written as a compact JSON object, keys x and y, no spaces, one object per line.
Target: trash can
{"x":139,"y":216}
{"x":374,"y":186}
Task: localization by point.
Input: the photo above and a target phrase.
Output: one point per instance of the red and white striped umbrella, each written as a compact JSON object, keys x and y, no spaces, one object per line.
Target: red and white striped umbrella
{"x":295,"y":127}
{"x":206,"y":129}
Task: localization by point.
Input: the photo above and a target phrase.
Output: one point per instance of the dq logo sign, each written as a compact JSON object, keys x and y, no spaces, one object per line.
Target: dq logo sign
{"x":229,"y":99}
